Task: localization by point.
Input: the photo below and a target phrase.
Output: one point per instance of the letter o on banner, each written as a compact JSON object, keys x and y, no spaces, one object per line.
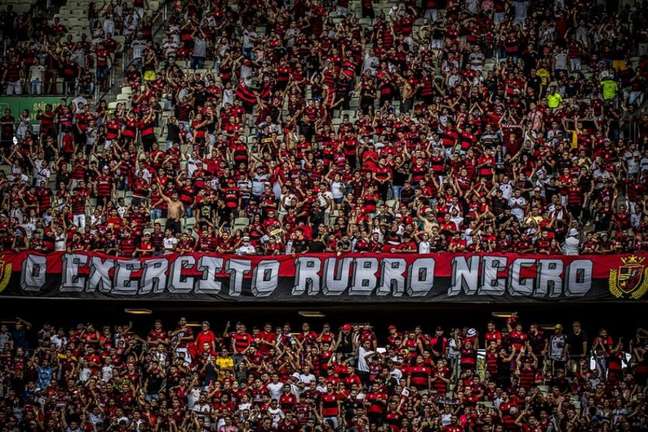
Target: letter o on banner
{"x":265,"y":278}
{"x":421,"y":277}
{"x":579,"y":278}
{"x":34,"y":269}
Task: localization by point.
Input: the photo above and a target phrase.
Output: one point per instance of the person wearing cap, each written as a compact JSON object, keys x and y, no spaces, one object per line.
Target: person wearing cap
{"x":571,"y":245}
{"x":345,"y":344}
{"x":246,"y":248}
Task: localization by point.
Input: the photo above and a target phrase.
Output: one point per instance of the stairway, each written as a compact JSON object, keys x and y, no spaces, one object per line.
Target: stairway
{"x":19,"y":6}
{"x":74,"y":16}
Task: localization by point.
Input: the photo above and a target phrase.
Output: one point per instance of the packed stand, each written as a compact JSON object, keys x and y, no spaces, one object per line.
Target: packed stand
{"x":42,"y":56}
{"x":504,"y":377}
{"x":442,"y":126}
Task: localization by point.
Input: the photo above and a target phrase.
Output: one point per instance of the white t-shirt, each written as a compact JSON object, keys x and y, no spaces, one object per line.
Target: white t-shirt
{"x":248,"y":37}
{"x":556,"y":347}
{"x":228,"y":96}
{"x":396,"y":373}
{"x":516,"y":205}
{"x":560,"y":60}
{"x":246,"y":249}
{"x":362,"y":361}
{"x":169,"y":243}
{"x":36,"y":72}
{"x":322,"y":198}
{"x":60,"y":242}
{"x":571,"y":246}
{"x":507,"y":190}
{"x":275,"y":389}
{"x":245,"y":406}
{"x":138,"y":48}
{"x":192,"y":397}
{"x":79,"y":100}
{"x":84,"y":374}
{"x":370,"y":63}
{"x":337,"y":190}
{"x":277,"y":415}
{"x":106,"y":373}
{"x":644,"y":163}
{"x":203,"y":410}
{"x":200,"y":47}
{"x":306,"y":378}
{"x":42,"y":176}
{"x":56,"y":340}
{"x":457,"y":220}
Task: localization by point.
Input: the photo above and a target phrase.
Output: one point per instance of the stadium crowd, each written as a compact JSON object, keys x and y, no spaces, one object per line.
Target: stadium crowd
{"x":505,"y":377}
{"x":447,"y":125}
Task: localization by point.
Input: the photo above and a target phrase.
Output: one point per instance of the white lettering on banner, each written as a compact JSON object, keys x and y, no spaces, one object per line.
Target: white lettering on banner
{"x":71,"y":281}
{"x":210,"y":266}
{"x":154,"y":278}
{"x":265,"y":278}
{"x":392,"y":278}
{"x":520,"y":286}
{"x":465,"y":274}
{"x":237,"y":268}
{"x":421,"y":277}
{"x":549,"y":279}
{"x":490,"y":283}
{"x":334,"y":276}
{"x":579,"y":278}
{"x":123,"y":283}
{"x":307,"y":276}
{"x":99,"y":279}
{"x":364,"y":276}
{"x":34,"y":269}
{"x":180,"y":284}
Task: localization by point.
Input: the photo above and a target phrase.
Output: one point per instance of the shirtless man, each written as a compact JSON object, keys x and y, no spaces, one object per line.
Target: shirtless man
{"x":428,"y":219}
{"x":175,"y":211}
{"x":406,"y":93}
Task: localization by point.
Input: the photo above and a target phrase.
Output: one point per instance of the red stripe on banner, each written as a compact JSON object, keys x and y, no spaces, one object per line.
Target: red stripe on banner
{"x":601,"y":264}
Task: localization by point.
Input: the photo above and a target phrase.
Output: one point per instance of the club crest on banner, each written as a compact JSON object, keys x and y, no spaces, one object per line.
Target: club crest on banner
{"x":630,"y":279}
{"x":5,"y":274}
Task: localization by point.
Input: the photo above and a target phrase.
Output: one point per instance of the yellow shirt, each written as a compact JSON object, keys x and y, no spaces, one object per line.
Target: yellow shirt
{"x":609,"y":89}
{"x":225,"y":363}
{"x":544,"y":75}
{"x":553,"y":100}
{"x":574,"y":140}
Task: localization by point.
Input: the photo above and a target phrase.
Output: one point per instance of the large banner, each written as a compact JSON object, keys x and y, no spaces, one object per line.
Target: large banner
{"x":439,"y":277}
{"x":33,"y":104}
